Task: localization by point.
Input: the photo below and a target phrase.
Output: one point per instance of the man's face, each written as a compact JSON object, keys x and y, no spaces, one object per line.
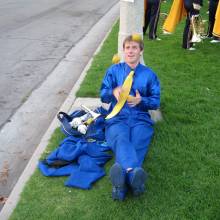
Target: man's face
{"x":132,"y":52}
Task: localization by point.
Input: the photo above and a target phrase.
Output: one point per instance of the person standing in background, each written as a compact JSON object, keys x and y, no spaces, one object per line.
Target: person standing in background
{"x":213,"y":4}
{"x":176,"y":14}
{"x":151,"y":18}
{"x":192,"y":8}
{"x":212,"y":10}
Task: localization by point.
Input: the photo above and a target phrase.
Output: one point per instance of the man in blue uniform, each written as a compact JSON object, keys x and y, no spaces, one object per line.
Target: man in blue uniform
{"x":130,"y":131}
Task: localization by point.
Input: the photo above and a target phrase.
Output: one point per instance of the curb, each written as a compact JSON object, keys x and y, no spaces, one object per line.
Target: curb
{"x":66,"y":106}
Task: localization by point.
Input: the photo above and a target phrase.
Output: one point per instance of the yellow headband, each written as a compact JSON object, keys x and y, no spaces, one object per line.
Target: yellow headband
{"x":136,"y":37}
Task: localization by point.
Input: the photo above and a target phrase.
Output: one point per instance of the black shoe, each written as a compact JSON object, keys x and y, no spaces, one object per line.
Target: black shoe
{"x":138,"y":178}
{"x":156,"y":38}
{"x":117,"y":177}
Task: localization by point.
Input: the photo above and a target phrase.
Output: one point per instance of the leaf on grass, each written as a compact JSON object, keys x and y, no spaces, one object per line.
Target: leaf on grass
{"x":3,"y":199}
{"x":4,"y":173}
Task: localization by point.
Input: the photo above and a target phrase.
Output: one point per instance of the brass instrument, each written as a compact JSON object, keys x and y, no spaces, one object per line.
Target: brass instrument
{"x":198,"y":28}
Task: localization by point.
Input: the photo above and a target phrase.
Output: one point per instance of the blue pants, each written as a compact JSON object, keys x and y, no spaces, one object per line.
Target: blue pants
{"x":129,"y":139}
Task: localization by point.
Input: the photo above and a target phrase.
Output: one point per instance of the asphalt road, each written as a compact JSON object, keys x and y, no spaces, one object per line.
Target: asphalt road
{"x":42,"y":54}
{"x":34,"y":37}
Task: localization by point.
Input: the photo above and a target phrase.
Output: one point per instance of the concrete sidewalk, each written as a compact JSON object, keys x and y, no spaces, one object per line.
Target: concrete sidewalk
{"x":97,"y":32}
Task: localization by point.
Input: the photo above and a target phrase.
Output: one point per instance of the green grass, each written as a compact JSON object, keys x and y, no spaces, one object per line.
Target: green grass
{"x":91,"y":84}
{"x":184,"y":159}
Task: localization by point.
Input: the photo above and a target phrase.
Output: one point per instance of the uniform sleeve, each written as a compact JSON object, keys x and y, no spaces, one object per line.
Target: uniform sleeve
{"x":106,"y":91}
{"x":152,"y":101}
{"x":200,"y":2}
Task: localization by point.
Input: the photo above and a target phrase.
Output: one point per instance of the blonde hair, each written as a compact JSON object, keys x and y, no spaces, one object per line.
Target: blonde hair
{"x":131,"y":38}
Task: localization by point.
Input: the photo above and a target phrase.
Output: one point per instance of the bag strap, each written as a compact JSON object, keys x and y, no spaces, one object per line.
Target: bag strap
{"x":62,"y":115}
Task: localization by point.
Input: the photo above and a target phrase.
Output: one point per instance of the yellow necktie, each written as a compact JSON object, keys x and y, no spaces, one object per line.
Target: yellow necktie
{"x":126,"y":87}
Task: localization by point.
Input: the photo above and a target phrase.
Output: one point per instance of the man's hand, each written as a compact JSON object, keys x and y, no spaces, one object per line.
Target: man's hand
{"x":196,"y":6}
{"x":117,"y":91}
{"x":134,"y":100}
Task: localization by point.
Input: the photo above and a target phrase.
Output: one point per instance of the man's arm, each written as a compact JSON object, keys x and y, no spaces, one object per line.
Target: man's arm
{"x":197,"y":4}
{"x":200,"y":2}
{"x":106,"y":91}
{"x":152,"y":102}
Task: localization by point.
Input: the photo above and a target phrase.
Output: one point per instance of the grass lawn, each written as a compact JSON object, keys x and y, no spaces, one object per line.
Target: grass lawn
{"x":184,"y":159}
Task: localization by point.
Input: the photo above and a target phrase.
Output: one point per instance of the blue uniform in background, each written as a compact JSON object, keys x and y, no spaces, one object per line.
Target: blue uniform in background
{"x":130,"y":131}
